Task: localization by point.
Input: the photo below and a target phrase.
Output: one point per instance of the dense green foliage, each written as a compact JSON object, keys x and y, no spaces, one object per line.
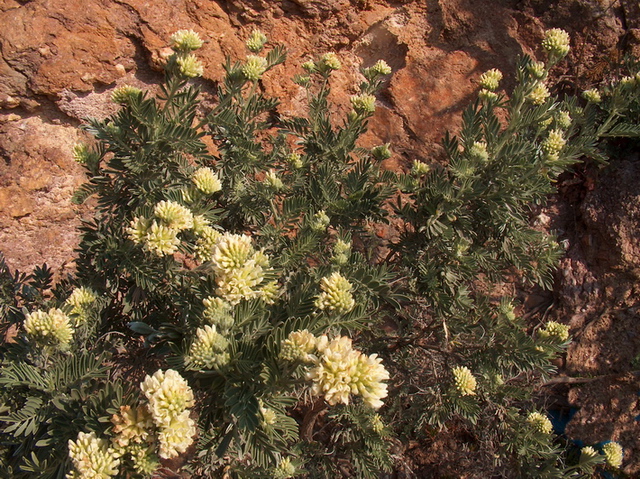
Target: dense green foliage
{"x":247,"y":271}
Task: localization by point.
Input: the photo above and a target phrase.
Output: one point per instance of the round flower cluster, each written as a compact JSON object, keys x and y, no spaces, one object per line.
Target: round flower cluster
{"x":256,"y":41}
{"x":320,"y":221}
{"x":555,"y":330}
{"x":92,"y":457}
{"x":131,"y":426}
{"x":363,"y":103}
{"x":52,"y":328}
{"x":537,"y":70}
{"x":381,"y":152}
{"x":299,"y":346}
{"x":479,"y":151}
{"x":341,"y":252}
{"x":563,"y":119}
{"x":336,"y":294}
{"x":588,"y":452}
{"x":208,"y":351}
{"x":206,"y":181}
{"x":82,"y":301}
{"x":161,"y":237}
{"x":185,"y":41}
{"x":592,"y":95}
{"x":465,"y":382}
{"x":239,"y":269}
{"x":217,"y":312}
{"x":285,"y":469}
{"x":419,"y":168}
{"x":341,"y":370}
{"x":613,"y":454}
{"x":169,"y":398}
{"x":553,"y":144}
{"x":254,"y":67}
{"x":273,"y":181}
{"x":491,"y":79}
{"x":207,"y":239}
{"x":487,"y":95}
{"x":144,"y":459}
{"x":539,"y":94}
{"x":540,"y":422}
{"x":381,"y":68}
{"x":123,"y":94}
{"x":190,"y":66}
{"x":295,"y":160}
{"x":331,"y":61}
{"x":556,"y":43}
{"x":81,"y":153}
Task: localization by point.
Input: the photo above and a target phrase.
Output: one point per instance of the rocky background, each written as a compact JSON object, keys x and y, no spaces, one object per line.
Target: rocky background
{"x":60,"y":60}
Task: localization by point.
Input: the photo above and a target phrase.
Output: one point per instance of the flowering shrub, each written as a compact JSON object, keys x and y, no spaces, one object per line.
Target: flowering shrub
{"x":237,"y":269}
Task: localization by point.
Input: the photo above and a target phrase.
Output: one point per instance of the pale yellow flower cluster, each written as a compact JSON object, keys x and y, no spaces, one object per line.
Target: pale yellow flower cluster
{"x":540,"y":422}
{"x":341,"y":370}
{"x":49,"y":328}
{"x":92,"y":458}
{"x":169,"y":398}
{"x":185,"y":41}
{"x":285,"y":469}
{"x":556,"y":43}
{"x":331,"y":61}
{"x":299,"y":346}
{"x":208,"y":351}
{"x":553,"y":144}
{"x":273,"y":181}
{"x":240,"y":270}
{"x":123,"y":94}
{"x":465,"y":382}
{"x":206,"y":180}
{"x":83,"y":302}
{"x":81,"y":153}
{"x":555,"y":330}
{"x":363,"y":103}
{"x":131,"y":426}
{"x":217,"y":312}
{"x":254,"y":67}
{"x":539,"y":94}
{"x":592,"y":95}
{"x":491,"y":79}
{"x":159,"y":235}
{"x":419,"y":168}
{"x":320,"y":221}
{"x":613,"y":454}
{"x":256,"y":41}
{"x":336,"y":294}
{"x":341,"y":252}
{"x":479,"y":151}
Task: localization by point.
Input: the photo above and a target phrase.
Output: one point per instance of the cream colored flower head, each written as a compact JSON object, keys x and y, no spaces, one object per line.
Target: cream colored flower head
{"x":185,"y":41}
{"x":491,"y":79}
{"x":208,"y":351}
{"x":256,"y":41}
{"x":364,"y":103}
{"x":588,"y":452}
{"x":131,"y":426}
{"x":174,"y":215}
{"x":176,"y":437}
{"x":336,"y":294}
{"x":168,"y":394}
{"x":331,"y":61}
{"x":230,"y":252}
{"x":161,"y":240}
{"x":539,"y":94}
{"x":273,"y":181}
{"x":217,"y":312}
{"x":81,"y":153}
{"x":554,"y":142}
{"x":556,"y":43}
{"x":123,"y":94}
{"x":144,"y":458}
{"x":540,"y":422}
{"x":206,"y":180}
{"x":592,"y":96}
{"x":299,"y":346}
{"x":207,"y":239}
{"x":555,"y":330}
{"x":487,"y":95}
{"x":285,"y":469}
{"x":254,"y":67}
{"x":92,"y":457}
{"x":563,"y":119}
{"x":479,"y":151}
{"x":190,"y":66}
{"x":465,"y":382}
{"x":241,"y":283}
{"x":52,"y":328}
{"x":83,"y":301}
{"x":342,"y":371}
{"x":419,"y":168}
{"x":613,"y":454}
{"x":138,"y":229}
{"x":381,"y":68}
{"x":320,"y":221}
{"x":537,"y":70}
